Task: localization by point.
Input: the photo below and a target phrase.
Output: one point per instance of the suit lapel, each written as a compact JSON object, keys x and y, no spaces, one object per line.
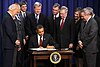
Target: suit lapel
{"x":65,"y":22}
{"x":36,"y":41}
{"x":85,"y":28}
{"x":44,"y":40}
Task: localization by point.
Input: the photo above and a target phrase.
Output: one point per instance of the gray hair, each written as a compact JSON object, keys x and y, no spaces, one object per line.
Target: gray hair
{"x":38,"y":4}
{"x":56,"y":5}
{"x":14,"y":6}
{"x":64,"y":8}
{"x":86,"y":11}
{"x":90,"y":10}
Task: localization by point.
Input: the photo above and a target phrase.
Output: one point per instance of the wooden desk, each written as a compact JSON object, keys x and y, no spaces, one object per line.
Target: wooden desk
{"x":42,"y":55}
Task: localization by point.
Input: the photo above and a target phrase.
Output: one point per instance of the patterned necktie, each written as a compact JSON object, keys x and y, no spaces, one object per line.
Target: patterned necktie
{"x":62,"y":24}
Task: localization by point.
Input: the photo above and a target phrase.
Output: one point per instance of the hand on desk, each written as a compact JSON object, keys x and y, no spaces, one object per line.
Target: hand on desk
{"x":50,"y":47}
{"x":40,"y":47}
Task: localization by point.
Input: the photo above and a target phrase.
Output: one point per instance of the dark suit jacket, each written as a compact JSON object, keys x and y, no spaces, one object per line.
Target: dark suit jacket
{"x":66,"y":35}
{"x":88,"y":35}
{"x":47,"y":39}
{"x":31,"y":23}
{"x":77,"y":29}
{"x":23,"y":20}
{"x":52,"y":26}
{"x":98,"y":22}
{"x":9,"y":35}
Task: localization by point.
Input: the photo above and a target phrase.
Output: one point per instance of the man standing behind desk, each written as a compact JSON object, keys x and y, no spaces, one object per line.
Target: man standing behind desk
{"x":65,"y":29}
{"x":9,"y":36}
{"x":35,"y":19}
{"x":52,"y":19}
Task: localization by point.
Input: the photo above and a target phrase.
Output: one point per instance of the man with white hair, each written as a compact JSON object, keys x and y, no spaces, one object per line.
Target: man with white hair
{"x":9,"y":35}
{"x":65,"y":29}
{"x":98,"y":22}
{"x":35,"y":19}
{"x":88,"y":38}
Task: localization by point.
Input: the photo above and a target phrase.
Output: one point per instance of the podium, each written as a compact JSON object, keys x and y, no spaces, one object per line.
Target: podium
{"x":45,"y":55}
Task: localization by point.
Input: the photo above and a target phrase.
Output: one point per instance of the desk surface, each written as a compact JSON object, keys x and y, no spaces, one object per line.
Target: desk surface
{"x":50,"y":51}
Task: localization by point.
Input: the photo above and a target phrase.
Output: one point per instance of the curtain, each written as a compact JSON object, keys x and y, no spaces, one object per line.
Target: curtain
{"x":47,"y":7}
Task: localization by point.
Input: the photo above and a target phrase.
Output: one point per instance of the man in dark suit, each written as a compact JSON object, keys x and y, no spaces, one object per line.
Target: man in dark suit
{"x":52,"y":19}
{"x":88,"y":38}
{"x":98,"y":22}
{"x":41,"y":39}
{"x":35,"y":19}
{"x":9,"y":36}
{"x":98,"y":54}
{"x":24,"y":14}
{"x":78,"y":51}
{"x":65,"y":29}
{"x":22,"y":18}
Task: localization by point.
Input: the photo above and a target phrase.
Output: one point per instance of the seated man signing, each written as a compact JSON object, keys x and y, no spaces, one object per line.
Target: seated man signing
{"x":42,"y":40}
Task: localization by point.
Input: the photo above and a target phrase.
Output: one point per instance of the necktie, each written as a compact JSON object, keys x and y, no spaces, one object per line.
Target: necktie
{"x":24,"y":15}
{"x":40,"y":41}
{"x":84,"y":25}
{"x":62,"y":24}
{"x":54,"y":17}
{"x":36,"y":18}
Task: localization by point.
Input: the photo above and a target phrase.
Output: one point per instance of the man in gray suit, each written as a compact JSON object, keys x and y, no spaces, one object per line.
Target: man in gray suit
{"x":88,"y":38}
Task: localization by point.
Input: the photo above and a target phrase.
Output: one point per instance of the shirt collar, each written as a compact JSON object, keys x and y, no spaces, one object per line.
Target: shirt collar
{"x":39,"y":36}
{"x":11,"y":15}
{"x":57,"y":15}
{"x":93,"y":15}
{"x":37,"y":16}
{"x":88,"y":19}
{"x":23,"y":12}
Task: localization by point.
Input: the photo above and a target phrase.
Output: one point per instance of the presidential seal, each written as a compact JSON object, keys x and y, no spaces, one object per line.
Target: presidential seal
{"x":55,"y":57}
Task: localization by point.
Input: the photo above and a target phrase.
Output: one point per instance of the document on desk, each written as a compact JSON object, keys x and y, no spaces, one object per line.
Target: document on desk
{"x":40,"y":49}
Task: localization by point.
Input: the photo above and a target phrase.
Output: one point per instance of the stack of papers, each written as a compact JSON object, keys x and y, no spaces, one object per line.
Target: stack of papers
{"x":40,"y":49}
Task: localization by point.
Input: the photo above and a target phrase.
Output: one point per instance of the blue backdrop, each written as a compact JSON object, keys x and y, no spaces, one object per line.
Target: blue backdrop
{"x":47,"y":7}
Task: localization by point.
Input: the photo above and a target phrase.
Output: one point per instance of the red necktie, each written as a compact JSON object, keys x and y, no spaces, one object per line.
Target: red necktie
{"x":62,"y":24}
{"x":40,"y":41}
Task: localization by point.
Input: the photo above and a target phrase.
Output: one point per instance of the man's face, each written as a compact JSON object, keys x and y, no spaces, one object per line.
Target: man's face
{"x":76,"y":15}
{"x":37,"y":9}
{"x":16,"y":11}
{"x":55,"y":10}
{"x":63,"y":13}
{"x":40,"y":31}
{"x":24,"y":8}
{"x":83,"y":16}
